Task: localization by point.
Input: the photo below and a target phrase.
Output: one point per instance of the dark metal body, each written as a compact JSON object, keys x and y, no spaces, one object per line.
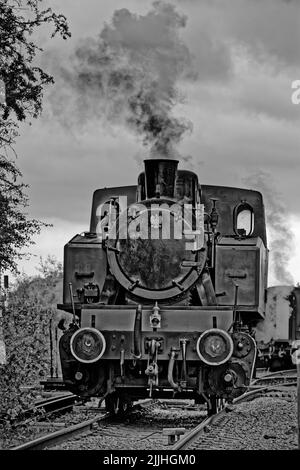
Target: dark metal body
{"x":151,"y":333}
{"x":294,"y":324}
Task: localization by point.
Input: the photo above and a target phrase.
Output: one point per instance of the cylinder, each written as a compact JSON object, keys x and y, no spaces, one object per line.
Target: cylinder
{"x":160,"y":178}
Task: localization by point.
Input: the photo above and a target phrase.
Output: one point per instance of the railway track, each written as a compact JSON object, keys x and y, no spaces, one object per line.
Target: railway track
{"x":142,"y":428}
{"x":42,"y":417}
{"x":221,"y":430}
{"x":55,"y":404}
{"x":281,"y":377}
{"x":279,"y":373}
{"x":62,"y":435}
{"x":48,"y":406}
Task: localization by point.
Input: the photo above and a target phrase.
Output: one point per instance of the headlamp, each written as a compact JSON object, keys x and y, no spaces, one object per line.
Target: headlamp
{"x":214,"y":347}
{"x":87,"y":345}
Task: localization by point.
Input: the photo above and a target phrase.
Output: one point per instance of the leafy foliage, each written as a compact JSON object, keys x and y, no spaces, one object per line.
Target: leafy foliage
{"x":32,"y":301}
{"x":50,"y":268}
{"x":23,"y":83}
{"x":16,"y":229}
{"x":26,"y":322}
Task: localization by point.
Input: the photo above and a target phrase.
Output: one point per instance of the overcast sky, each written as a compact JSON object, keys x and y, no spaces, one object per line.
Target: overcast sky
{"x":246,"y":55}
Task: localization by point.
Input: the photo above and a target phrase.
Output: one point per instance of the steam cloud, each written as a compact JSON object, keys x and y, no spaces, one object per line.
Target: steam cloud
{"x":128,"y":75}
{"x":281,"y":237}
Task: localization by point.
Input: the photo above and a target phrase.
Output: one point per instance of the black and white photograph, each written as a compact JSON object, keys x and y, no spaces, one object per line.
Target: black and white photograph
{"x":149,"y":229}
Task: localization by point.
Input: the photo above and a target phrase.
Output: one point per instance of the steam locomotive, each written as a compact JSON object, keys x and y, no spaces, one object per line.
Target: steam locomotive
{"x":166,"y":291}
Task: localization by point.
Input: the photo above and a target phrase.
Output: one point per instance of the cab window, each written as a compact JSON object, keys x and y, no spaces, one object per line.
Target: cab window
{"x":243,"y":219}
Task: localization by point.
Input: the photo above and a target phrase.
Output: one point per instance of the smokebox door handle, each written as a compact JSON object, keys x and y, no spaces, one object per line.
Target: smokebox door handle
{"x":79,"y":275}
{"x":237,"y":276}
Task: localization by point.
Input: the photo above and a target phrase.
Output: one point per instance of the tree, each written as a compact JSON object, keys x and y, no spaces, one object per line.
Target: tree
{"x":23,"y":83}
{"x":16,"y":229}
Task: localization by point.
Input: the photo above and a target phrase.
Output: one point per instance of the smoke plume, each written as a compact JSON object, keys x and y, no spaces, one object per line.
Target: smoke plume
{"x":128,"y":75}
{"x":281,"y":236}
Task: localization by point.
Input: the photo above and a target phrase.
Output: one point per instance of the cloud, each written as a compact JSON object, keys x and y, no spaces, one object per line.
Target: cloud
{"x":260,"y":89}
{"x":269,"y":29}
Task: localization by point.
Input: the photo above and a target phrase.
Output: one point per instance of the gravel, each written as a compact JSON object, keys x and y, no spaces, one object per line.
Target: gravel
{"x":267,"y":423}
{"x":141,"y":429}
{"x":33,"y":428}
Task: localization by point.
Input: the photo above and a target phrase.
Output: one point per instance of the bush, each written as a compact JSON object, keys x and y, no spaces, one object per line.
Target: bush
{"x":26,"y":322}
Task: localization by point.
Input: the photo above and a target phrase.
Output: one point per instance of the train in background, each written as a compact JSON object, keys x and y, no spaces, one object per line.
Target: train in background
{"x":280,"y":329}
{"x":188,"y":314}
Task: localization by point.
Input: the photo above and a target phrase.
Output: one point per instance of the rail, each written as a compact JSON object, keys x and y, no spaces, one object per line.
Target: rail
{"x":60,"y":436}
{"x":188,"y":438}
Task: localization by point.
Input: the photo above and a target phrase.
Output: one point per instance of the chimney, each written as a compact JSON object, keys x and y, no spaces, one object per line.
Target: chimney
{"x":160,"y":176}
